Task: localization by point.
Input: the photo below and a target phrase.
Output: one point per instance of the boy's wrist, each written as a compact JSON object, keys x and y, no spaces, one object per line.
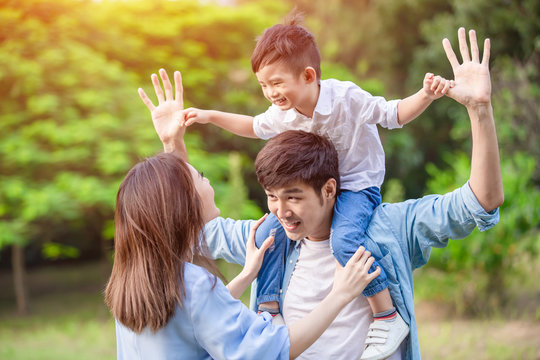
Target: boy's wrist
{"x":425,"y":95}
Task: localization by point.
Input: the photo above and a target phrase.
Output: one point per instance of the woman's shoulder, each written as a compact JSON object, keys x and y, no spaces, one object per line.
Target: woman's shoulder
{"x":197,"y":277}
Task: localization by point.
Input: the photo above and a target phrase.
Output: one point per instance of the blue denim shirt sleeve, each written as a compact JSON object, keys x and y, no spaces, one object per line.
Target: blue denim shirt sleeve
{"x":434,"y":219}
{"x":226,"y":329}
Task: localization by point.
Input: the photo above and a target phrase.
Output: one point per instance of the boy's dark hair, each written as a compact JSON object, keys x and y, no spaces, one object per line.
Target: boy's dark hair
{"x":289,"y":42}
{"x":296,"y":155}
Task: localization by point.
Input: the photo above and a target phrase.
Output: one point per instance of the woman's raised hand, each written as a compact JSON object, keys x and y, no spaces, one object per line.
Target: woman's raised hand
{"x":168,"y":116}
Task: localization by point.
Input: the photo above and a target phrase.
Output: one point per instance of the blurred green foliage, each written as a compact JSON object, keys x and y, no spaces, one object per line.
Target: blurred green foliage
{"x":71,"y":123}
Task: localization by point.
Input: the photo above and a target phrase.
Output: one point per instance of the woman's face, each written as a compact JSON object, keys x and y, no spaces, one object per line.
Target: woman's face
{"x":206,"y":193}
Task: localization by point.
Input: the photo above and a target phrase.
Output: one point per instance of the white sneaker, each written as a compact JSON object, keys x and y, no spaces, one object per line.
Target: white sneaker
{"x":278,"y":320}
{"x":384,"y":338}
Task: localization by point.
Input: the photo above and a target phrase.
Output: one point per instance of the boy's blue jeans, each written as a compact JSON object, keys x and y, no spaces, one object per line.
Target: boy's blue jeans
{"x":352,"y":213}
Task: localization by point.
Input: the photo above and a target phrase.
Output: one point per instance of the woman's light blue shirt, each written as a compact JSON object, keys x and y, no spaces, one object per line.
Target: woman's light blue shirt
{"x":400,"y":234}
{"x":210,"y":324}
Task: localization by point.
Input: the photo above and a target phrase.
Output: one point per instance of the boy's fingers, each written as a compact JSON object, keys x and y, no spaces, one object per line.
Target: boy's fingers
{"x":446,"y":86}
{"x":146,"y":100}
{"x":440,"y":87}
{"x":474,"y":46}
{"x":436,"y":82}
{"x":450,"y":53}
{"x":463,"y":47}
{"x":487,"y":47}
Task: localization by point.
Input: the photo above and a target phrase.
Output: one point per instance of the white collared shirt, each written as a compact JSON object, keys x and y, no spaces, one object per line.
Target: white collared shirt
{"x":347,"y":115}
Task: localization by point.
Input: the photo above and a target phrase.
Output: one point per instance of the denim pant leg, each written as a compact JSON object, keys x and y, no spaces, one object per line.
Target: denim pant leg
{"x":352,"y":214}
{"x":269,"y":278}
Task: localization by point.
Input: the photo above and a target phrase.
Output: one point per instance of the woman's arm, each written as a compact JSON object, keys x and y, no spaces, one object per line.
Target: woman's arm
{"x":349,"y":282}
{"x":168,"y":116}
{"x":254,"y":258}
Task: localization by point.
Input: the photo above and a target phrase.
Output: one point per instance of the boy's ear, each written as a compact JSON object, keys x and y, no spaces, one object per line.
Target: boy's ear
{"x":310,"y":75}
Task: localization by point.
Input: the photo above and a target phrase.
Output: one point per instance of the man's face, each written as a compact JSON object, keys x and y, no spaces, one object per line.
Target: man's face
{"x":301,"y":211}
{"x":281,"y":87}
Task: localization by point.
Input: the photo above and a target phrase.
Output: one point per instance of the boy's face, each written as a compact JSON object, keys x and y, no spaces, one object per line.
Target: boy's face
{"x":283,"y":88}
{"x":301,"y":211}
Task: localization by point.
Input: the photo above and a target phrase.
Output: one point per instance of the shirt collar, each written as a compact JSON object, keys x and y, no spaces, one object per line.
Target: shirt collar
{"x":324,"y":103}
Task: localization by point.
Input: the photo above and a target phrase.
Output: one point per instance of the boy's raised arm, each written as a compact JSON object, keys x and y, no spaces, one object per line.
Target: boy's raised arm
{"x":241,"y":125}
{"x":434,"y":87}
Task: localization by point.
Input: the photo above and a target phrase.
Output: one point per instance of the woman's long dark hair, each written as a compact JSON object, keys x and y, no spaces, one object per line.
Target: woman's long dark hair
{"x":158,"y":222}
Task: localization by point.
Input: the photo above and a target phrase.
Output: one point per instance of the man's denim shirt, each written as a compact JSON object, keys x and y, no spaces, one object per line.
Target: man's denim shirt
{"x":401,"y":235}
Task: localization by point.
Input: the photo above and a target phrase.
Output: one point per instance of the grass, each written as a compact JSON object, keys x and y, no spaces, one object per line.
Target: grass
{"x":69,"y":321}
{"x":68,"y":318}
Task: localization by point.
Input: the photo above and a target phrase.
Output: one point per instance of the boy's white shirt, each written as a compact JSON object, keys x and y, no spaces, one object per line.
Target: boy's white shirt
{"x":347,"y":115}
{"x":311,"y":281}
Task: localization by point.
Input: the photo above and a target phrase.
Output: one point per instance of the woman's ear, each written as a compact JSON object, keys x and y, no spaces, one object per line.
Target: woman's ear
{"x":310,"y":75}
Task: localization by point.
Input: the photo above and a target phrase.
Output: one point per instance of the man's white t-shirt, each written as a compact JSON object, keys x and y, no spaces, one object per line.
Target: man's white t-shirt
{"x":348,"y":116}
{"x":310,"y":283}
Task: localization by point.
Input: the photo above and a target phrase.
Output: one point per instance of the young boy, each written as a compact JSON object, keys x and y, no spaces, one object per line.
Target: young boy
{"x":286,"y":62}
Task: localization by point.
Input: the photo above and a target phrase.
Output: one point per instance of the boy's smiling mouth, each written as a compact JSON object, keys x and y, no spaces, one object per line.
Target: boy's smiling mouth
{"x":279,"y":102}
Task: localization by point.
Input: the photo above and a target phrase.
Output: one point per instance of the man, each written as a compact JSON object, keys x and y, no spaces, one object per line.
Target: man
{"x":401,"y":234}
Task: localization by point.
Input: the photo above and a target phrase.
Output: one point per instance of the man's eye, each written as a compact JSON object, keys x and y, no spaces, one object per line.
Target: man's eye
{"x":201,"y":174}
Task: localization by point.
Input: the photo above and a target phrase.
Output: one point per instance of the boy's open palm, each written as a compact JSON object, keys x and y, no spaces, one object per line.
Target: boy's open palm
{"x":472,"y":81}
{"x":168,"y":115}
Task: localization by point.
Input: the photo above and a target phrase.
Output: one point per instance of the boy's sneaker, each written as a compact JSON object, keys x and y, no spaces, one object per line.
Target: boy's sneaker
{"x":384,"y":338}
{"x":278,"y":320}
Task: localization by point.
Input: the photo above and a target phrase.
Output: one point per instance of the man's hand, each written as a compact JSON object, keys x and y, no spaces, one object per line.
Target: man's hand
{"x":168,"y":116}
{"x":436,"y":87}
{"x":472,"y":82}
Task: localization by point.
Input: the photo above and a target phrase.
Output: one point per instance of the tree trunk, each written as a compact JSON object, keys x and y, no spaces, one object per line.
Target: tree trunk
{"x":19,"y":278}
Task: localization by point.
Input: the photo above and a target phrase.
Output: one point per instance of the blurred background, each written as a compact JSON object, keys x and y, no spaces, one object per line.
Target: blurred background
{"x":72,"y":124}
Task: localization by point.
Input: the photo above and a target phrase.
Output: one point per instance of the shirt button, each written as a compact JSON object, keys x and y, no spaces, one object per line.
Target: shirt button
{"x":280,"y":291}
{"x":290,"y":261}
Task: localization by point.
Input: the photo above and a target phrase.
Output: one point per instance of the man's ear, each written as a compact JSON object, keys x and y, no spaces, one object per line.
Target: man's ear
{"x":329,"y":188}
{"x":310,"y":75}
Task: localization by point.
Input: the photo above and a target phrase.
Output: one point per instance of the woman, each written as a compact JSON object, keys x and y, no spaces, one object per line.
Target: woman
{"x":163,"y":291}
